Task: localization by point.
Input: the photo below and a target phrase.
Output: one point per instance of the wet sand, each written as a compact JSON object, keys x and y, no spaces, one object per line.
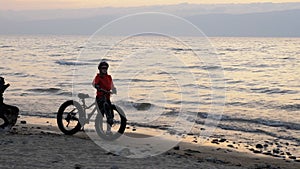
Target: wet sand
{"x":38,"y":143}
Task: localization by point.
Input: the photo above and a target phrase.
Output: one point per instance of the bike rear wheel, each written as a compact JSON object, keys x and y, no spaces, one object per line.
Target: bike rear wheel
{"x":68,"y":117}
{"x":111,"y":132}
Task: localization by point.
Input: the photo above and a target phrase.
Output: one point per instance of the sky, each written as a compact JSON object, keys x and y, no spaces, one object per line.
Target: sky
{"x":75,"y":4}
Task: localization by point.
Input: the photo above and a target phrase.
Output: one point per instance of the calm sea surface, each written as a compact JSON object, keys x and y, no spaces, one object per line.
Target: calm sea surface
{"x":159,"y":79}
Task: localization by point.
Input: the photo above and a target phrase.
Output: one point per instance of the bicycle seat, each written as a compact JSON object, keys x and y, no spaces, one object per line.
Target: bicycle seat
{"x":83,"y":96}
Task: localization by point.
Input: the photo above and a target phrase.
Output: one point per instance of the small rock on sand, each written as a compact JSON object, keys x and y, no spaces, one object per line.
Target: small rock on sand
{"x":231,"y":146}
{"x":222,"y":140}
{"x":259,"y":146}
{"x":215,"y":141}
{"x":176,"y":148}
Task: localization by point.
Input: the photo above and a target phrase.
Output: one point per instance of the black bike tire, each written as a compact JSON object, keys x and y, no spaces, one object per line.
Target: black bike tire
{"x":60,"y":117}
{"x":5,"y":121}
{"x":99,"y":120}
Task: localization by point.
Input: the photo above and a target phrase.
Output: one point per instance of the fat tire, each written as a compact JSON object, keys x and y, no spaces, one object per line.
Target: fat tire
{"x":99,"y":121}
{"x":60,"y":117}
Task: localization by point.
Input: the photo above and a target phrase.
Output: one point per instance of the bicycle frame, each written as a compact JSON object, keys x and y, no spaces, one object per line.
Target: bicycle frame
{"x":85,"y":107}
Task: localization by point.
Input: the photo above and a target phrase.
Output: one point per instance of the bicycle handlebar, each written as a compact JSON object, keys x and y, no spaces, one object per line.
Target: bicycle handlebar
{"x":104,"y":91}
{"x":83,"y":95}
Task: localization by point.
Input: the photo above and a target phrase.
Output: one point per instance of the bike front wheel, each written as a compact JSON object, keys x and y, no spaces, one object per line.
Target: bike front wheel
{"x":68,"y":117}
{"x":114,"y":131}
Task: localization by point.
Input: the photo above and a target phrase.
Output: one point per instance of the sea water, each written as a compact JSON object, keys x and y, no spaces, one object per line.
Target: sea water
{"x":159,"y":80}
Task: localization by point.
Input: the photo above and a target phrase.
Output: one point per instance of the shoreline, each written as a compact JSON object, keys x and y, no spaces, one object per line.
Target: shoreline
{"x":41,"y":139}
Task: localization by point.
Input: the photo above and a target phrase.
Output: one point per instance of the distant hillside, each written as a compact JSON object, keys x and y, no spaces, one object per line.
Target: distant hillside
{"x":269,"y":24}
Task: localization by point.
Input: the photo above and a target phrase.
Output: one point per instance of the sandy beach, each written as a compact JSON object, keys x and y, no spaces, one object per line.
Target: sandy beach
{"x":38,"y":143}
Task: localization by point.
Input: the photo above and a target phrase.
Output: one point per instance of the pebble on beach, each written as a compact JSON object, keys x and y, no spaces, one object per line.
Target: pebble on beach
{"x":259,"y":146}
{"x":215,"y":141}
{"x":222,"y":140}
{"x":176,"y":148}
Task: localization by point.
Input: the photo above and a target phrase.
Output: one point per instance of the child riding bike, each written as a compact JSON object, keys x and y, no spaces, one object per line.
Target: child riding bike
{"x":104,"y":83}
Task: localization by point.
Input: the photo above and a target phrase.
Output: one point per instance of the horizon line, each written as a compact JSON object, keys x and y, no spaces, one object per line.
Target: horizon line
{"x":119,"y":7}
{"x":86,"y":34}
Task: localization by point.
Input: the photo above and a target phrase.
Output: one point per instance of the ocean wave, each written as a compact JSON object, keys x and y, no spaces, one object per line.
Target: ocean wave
{"x":149,"y":125}
{"x":234,"y":81}
{"x":265,"y":105}
{"x":233,"y":69}
{"x":65,"y":93}
{"x":291,"y":107}
{"x":141,"y":80}
{"x":261,"y":65}
{"x":5,"y":46}
{"x":288,"y":58}
{"x":107,"y":60}
{"x":236,"y":104}
{"x":70,"y":63}
{"x":211,"y":67}
{"x":136,"y":105}
{"x":55,"y":55}
{"x":255,"y":130}
{"x":80,"y":47}
{"x":142,"y":106}
{"x":181,"y":49}
{"x":231,"y":49}
{"x":171,"y":112}
{"x":134,"y":80}
{"x":39,"y":114}
{"x":273,"y":90}
{"x":19,"y":74}
{"x":44,"y":90}
{"x":260,"y":121}
{"x":199,"y":67}
{"x":189,"y":49}
{"x":232,"y":124}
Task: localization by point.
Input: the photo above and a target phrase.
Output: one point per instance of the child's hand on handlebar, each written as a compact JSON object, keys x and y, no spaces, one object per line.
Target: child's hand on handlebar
{"x":104,"y":91}
{"x":114,"y":90}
